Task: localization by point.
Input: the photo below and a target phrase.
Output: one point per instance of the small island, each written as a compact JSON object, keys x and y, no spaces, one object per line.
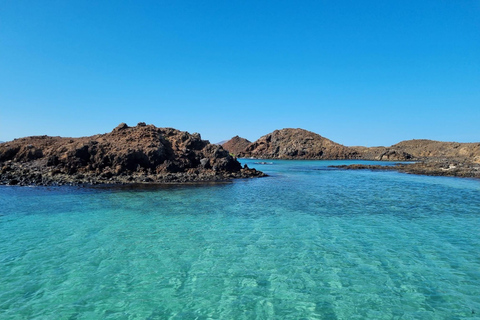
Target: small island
{"x":128,"y":155}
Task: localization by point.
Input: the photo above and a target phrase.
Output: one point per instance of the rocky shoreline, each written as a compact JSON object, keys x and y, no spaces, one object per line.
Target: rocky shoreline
{"x":26,"y":175}
{"x":443,"y":167}
{"x":143,"y":154}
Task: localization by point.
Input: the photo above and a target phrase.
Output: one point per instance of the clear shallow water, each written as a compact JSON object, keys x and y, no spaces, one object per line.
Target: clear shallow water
{"x":306,"y":243}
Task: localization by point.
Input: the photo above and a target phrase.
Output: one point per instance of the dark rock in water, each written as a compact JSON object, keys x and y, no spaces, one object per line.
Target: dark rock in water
{"x":141,"y":154}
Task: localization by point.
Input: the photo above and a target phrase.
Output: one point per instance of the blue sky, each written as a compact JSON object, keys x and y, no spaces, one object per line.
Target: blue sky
{"x":357,"y":72}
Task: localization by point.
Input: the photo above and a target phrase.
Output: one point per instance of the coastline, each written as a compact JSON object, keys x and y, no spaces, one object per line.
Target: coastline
{"x":444,"y":167}
{"x":25,"y":175}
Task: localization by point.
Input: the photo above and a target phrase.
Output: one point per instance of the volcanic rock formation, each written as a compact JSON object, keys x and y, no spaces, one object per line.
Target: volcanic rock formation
{"x":138,"y":154}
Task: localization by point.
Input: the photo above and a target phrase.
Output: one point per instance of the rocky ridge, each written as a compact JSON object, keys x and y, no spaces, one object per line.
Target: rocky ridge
{"x":140,"y":154}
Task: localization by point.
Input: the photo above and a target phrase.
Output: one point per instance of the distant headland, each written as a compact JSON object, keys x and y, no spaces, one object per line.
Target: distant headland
{"x":431,"y":157}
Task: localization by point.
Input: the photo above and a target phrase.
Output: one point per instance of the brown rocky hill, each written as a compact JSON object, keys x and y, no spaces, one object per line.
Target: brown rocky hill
{"x":295,"y":144}
{"x":139,"y":154}
{"x":236,"y":145}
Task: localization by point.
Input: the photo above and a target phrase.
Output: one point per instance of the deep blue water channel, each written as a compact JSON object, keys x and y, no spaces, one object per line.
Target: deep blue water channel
{"x":307,"y":242}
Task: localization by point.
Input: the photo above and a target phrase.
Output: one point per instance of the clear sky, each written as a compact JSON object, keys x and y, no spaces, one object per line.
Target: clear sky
{"x":357,"y":72}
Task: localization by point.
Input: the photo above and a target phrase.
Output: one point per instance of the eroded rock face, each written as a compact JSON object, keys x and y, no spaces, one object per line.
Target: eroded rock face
{"x":295,"y":144}
{"x":139,"y":154}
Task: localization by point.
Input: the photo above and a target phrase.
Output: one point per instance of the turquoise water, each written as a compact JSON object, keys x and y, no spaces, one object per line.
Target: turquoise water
{"x":307,"y":242}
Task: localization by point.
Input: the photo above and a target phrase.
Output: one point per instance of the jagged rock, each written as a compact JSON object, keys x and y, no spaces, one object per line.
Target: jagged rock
{"x":138,"y":154}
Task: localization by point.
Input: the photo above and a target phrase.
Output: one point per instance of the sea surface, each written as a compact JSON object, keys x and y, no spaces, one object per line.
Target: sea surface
{"x":307,"y":242}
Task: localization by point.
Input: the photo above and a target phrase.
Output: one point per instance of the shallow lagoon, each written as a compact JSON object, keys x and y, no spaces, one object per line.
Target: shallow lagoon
{"x":308,"y":242}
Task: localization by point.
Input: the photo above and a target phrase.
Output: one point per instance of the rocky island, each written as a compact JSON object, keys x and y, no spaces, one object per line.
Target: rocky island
{"x":127,"y":155}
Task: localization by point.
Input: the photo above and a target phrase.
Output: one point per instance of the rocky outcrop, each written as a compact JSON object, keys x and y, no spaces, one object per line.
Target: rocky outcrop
{"x":433,"y":158}
{"x":295,"y":144}
{"x":236,"y":145}
{"x":439,"y":167}
{"x":140,"y":154}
